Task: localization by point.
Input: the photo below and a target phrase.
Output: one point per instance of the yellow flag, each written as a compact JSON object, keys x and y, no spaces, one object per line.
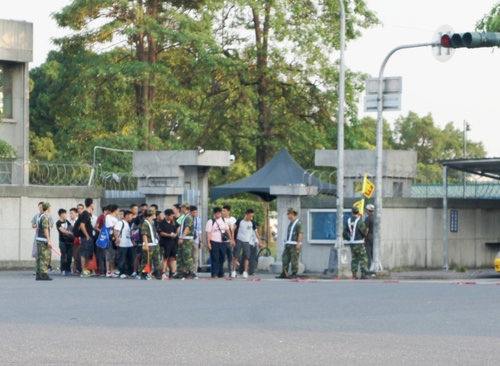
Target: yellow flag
{"x":368,"y":187}
{"x":360,"y":205}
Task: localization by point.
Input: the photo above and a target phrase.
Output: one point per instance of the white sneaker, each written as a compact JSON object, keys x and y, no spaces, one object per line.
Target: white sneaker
{"x":164,"y":277}
{"x":116,"y":272}
{"x":123,"y":276}
{"x":233,"y":274}
{"x":108,"y":274}
{"x":115,"y":275}
{"x":245,"y":274}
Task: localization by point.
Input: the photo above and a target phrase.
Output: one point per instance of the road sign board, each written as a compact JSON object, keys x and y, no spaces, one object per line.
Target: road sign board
{"x":392,"y":84}
{"x":391,"y":102}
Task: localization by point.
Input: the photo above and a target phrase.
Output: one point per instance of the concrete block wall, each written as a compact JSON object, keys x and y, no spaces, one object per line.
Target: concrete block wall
{"x":18,"y":205}
{"x":412,"y":234}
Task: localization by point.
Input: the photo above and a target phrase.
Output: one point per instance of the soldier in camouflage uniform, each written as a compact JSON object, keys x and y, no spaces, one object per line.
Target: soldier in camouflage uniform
{"x":44,"y":244}
{"x":293,"y":244}
{"x":355,"y":231}
{"x":185,"y":263}
{"x":150,"y":247}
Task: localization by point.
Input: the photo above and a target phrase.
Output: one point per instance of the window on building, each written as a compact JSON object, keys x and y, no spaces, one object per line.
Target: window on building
{"x":6,"y":90}
{"x":397,"y":189}
{"x":322,"y":226}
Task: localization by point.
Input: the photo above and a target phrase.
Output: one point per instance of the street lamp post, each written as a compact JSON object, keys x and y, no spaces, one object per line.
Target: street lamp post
{"x":377,"y":266}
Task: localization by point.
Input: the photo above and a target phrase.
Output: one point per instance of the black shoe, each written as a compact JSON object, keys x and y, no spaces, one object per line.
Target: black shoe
{"x":282,"y":276}
{"x":37,"y":277}
{"x":293,"y":276}
{"x":44,"y":277}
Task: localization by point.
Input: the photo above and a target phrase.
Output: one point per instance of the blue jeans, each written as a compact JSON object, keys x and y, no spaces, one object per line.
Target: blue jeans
{"x":217,"y":255}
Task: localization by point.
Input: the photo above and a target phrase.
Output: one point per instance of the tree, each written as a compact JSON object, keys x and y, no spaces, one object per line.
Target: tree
{"x":281,"y":80}
{"x":150,"y":27}
{"x":431,"y":144}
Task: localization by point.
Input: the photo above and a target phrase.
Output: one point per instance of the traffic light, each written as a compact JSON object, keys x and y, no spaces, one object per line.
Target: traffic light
{"x":470,"y":40}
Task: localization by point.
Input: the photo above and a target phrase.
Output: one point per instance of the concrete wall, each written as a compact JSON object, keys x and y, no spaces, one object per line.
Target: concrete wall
{"x":412,"y":234}
{"x":18,"y":205}
{"x":398,"y":167}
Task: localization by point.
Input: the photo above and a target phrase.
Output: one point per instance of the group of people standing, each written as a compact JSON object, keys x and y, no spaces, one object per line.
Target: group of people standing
{"x":144,"y":242}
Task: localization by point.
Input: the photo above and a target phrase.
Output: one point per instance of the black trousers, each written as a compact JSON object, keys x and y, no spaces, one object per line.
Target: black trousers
{"x":126,"y":258}
{"x":66,"y":256}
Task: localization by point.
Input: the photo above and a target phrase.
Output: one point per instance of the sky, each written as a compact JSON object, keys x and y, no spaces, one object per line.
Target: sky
{"x":464,"y":88}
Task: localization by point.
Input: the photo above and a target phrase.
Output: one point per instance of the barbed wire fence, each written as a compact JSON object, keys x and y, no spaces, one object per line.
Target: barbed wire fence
{"x":68,"y":174}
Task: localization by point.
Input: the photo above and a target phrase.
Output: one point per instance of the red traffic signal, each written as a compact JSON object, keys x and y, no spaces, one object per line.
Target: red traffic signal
{"x":470,"y":40}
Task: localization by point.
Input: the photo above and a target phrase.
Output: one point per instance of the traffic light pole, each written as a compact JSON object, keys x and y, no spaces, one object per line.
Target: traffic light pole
{"x":377,"y":266}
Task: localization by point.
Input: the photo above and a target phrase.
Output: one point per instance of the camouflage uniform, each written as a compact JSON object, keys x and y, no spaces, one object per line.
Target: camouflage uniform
{"x":43,"y":258}
{"x":291,"y":254}
{"x":185,"y":251}
{"x":359,"y":257}
{"x":154,"y":248}
{"x":355,"y":231}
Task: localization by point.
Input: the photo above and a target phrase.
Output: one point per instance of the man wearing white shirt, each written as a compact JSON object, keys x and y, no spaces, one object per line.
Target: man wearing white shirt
{"x":246,"y":235}
{"x":111,"y":221}
{"x":215,"y":230}
{"x":126,"y":252}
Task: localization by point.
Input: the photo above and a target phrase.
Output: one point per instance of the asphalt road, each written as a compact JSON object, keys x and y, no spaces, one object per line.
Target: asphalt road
{"x":73,"y":321}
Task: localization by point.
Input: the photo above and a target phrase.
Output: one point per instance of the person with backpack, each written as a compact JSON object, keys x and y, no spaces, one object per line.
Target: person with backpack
{"x":126,"y":251}
{"x":245,"y":233}
{"x":111,"y":250}
{"x":354,"y":233}
{"x":217,"y":231}
{"x":102,"y":241}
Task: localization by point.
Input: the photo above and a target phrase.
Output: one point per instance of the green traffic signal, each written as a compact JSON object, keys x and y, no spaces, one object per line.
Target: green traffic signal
{"x":471,"y":40}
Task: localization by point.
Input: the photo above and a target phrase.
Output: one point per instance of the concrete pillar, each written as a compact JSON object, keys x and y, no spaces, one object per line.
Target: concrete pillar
{"x":288,"y":196}
{"x":163,"y":176}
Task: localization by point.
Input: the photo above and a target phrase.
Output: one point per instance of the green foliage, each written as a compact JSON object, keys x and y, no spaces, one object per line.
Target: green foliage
{"x":42,"y":148}
{"x":244,"y":76}
{"x":7,"y":151}
{"x":240,"y":206}
{"x":491,"y":21}
{"x":432,"y":144}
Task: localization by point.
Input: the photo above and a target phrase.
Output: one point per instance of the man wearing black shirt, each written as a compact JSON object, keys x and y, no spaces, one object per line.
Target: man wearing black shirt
{"x":167,"y":229}
{"x":87,"y":240}
{"x":66,"y":239}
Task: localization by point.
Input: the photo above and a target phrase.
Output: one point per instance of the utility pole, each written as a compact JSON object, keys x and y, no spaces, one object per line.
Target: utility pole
{"x":340,"y":144}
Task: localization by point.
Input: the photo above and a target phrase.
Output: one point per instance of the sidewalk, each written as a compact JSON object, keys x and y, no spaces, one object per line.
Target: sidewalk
{"x":436,"y":274}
